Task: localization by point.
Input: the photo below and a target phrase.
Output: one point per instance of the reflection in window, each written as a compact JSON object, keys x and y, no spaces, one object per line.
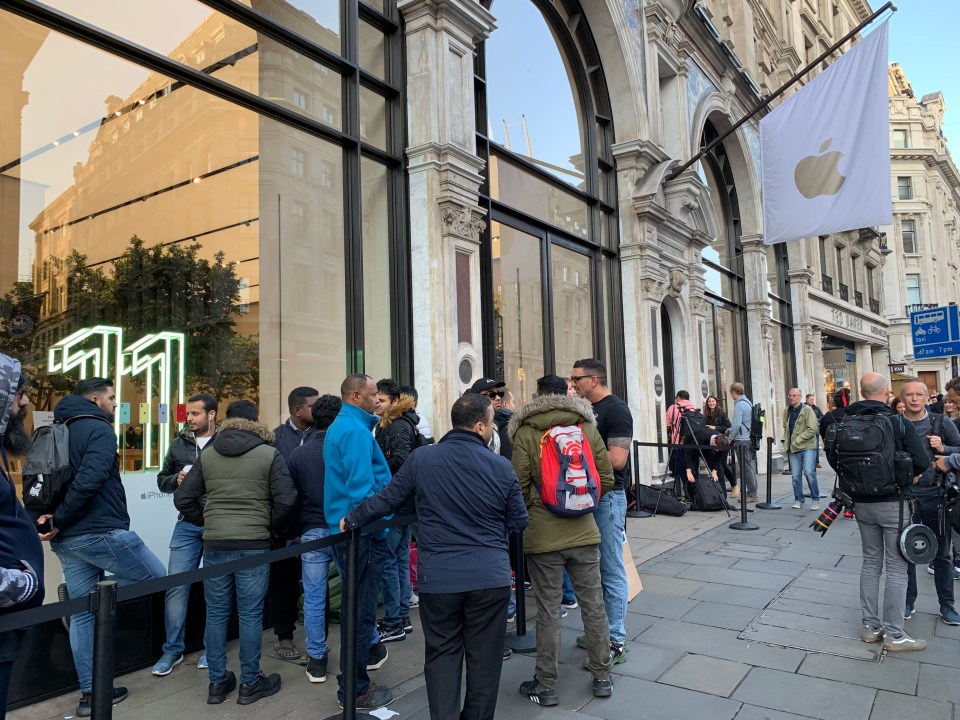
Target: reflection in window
{"x":520,"y":189}
{"x":572,"y":308}
{"x":377,"y":319}
{"x":518,"y":309}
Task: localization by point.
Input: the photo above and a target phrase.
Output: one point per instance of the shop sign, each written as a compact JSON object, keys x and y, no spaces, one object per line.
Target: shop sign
{"x":850,"y":357}
{"x":704,"y":389}
{"x":658,"y":384}
{"x":897,"y":368}
{"x":878,"y":331}
{"x":935,"y":332}
{"x":845,"y":319}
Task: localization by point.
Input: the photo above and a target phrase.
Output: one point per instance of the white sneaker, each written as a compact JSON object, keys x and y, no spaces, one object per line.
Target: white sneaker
{"x":904,"y":643}
{"x":797,"y":505}
{"x":815,"y":506}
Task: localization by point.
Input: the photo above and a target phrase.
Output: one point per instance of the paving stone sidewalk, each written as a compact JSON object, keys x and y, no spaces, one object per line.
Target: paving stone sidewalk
{"x":731,"y":624}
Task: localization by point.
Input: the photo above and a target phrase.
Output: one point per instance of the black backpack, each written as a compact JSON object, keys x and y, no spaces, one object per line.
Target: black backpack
{"x":756,"y":426}
{"x":862,"y":449}
{"x":707,"y":495}
{"x":693,"y":428}
{"x":47,"y":474}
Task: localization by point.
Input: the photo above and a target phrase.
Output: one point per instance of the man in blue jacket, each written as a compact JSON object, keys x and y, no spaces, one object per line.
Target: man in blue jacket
{"x":90,"y":531}
{"x":467,"y":500}
{"x":354,"y":469}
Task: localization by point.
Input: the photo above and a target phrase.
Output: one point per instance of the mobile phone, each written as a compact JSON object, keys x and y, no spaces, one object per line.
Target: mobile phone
{"x":44,"y":527}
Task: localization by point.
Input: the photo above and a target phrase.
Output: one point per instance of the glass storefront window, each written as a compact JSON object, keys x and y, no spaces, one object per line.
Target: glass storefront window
{"x":518,"y":309}
{"x":372,"y":57}
{"x":373,"y":118}
{"x":518,"y":188}
{"x":572,"y":293}
{"x":377,"y":296}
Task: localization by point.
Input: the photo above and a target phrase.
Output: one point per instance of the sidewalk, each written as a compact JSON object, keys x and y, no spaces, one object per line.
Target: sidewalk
{"x":731,"y":624}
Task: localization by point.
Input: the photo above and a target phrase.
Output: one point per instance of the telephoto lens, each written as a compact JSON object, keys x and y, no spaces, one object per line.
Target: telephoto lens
{"x":826,"y":518}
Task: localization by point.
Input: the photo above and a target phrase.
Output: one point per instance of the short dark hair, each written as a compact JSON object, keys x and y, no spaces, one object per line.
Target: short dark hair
{"x":683,"y":394}
{"x":389,"y":387}
{"x":298,"y":396}
{"x":953,"y":384}
{"x":208,"y":400}
{"x":411,"y":391}
{"x":552,"y":385}
{"x":92,"y":386}
{"x":468,"y":410}
{"x":325,"y":411}
{"x":353,"y":383}
{"x":242,"y":409}
{"x":594,"y":367}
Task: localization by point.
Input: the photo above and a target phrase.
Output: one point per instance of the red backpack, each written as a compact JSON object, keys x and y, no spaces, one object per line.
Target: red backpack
{"x":569,"y":481}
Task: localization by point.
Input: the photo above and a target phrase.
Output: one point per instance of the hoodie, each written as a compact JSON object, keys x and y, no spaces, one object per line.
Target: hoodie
{"x":397,"y":437}
{"x":247,"y":485}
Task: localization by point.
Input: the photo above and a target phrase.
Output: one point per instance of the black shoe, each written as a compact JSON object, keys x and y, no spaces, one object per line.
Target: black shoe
{"x":218,"y":691}
{"x":378,"y":656}
{"x":602,"y":688}
{"x":86,"y":701}
{"x":263,"y":687}
{"x":507,"y":653}
{"x":377,"y":696}
{"x":317,"y":669}
{"x":392,"y":633}
{"x":539,"y":693}
{"x":407,"y":625}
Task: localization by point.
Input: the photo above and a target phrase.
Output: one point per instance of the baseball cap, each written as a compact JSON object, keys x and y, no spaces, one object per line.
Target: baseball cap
{"x":484,"y":384}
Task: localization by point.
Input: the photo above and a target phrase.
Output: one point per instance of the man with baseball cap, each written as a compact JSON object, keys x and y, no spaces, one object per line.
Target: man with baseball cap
{"x":488,"y":387}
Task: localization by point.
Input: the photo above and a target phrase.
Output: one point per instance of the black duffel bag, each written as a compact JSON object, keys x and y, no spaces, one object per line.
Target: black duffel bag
{"x":660,"y":500}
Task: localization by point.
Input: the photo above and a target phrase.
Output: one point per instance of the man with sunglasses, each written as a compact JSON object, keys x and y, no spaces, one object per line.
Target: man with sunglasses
{"x":493,"y":389}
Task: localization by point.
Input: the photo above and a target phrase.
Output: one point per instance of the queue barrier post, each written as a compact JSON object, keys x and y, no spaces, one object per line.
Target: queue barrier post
{"x":637,"y":511}
{"x":769,"y":504}
{"x":524,"y":640}
{"x":104,"y":607}
{"x":743,"y":523}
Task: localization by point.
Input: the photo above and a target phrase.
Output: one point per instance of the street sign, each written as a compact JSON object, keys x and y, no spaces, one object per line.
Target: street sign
{"x":935,"y":332}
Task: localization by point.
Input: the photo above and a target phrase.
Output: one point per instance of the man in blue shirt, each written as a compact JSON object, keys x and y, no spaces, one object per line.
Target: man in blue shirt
{"x":740,"y":434}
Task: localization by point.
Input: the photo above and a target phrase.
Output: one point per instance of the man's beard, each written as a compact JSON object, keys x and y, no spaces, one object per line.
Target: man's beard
{"x":16,"y":441}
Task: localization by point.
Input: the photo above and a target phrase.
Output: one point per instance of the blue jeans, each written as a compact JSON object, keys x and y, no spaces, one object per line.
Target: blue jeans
{"x":315,"y":564}
{"x":85,"y":559}
{"x":567,"y":594}
{"x":804,"y":463}
{"x":395,"y":581}
{"x":611,"y":517}
{"x":370,"y":556}
{"x":249,"y":587}
{"x":186,"y":547}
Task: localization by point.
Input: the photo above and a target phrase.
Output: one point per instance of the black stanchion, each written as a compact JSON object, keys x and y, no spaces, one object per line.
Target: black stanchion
{"x":348,"y":609}
{"x":743,"y":524}
{"x":637,"y":512}
{"x":104,"y":648}
{"x":769,"y":504}
{"x":523,"y":640}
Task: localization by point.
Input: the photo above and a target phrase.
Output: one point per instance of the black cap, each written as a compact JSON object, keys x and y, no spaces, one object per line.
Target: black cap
{"x":484,"y":384}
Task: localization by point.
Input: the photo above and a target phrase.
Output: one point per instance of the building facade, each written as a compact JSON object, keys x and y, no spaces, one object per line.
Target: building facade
{"x":921,"y":271}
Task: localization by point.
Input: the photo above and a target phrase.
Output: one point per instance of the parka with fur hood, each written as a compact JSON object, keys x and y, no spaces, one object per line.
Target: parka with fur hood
{"x":547,"y":532}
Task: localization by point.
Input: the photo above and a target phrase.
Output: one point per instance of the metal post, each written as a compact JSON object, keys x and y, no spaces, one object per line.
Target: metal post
{"x":348,"y":618}
{"x":637,"y":512}
{"x":524,"y":640}
{"x":769,"y":504}
{"x":743,"y":524}
{"x":104,"y":648}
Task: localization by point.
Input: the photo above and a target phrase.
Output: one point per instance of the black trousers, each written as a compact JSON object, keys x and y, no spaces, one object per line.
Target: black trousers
{"x":283,"y":595}
{"x":469,"y":624}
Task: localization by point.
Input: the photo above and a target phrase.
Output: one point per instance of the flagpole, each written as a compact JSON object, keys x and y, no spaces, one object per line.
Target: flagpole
{"x":792,"y":81}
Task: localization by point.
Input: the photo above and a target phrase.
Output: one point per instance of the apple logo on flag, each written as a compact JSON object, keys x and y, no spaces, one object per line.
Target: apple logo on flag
{"x":819,"y":174}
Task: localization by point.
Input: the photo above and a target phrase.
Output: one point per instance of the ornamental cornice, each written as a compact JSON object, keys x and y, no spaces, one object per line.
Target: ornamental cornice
{"x":463,"y":222}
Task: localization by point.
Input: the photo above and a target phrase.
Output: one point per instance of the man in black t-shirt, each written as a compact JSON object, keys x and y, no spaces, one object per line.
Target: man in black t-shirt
{"x":615,"y":424}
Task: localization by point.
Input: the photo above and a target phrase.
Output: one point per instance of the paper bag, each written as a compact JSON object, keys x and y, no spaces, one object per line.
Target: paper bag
{"x":634,"y":586}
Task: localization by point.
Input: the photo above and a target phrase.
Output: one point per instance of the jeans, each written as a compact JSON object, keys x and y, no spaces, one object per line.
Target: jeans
{"x":567,"y":594}
{"x":930,"y":513}
{"x":186,"y":547}
{"x":546,"y":572}
{"x":880,"y":539}
{"x":315,"y":567}
{"x":749,"y":473}
{"x":85,"y":559}
{"x":611,"y":517}
{"x":249,"y":587}
{"x":395,"y":581}
{"x":804,"y":464}
{"x":6,"y":670}
{"x":370,"y":556}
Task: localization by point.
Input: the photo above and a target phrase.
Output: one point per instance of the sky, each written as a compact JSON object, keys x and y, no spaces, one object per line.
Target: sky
{"x":923,"y":39}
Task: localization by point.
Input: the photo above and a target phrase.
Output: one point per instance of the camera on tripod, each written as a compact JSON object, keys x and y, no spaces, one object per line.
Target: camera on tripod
{"x":841,"y":501}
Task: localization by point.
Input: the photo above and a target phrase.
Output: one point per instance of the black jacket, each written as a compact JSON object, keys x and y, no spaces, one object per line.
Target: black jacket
{"x":96,"y":502}
{"x":502,"y":419}
{"x":306,"y":471}
{"x":828,"y":419}
{"x":397,"y":436}
{"x":287,"y":438}
{"x":720,"y":421}
{"x":468,"y":500}
{"x":183,"y":451}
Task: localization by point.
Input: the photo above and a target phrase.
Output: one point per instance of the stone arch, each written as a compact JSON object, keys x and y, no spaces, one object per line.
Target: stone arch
{"x":674,"y":369}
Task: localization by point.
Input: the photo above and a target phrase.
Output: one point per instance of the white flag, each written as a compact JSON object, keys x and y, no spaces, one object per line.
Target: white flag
{"x":826,"y":150}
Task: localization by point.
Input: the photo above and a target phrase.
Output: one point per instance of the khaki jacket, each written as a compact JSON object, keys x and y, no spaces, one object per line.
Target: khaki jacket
{"x":804,"y":432}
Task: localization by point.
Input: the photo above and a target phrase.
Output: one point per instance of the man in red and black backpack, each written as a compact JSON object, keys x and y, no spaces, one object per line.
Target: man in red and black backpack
{"x":554,"y":542}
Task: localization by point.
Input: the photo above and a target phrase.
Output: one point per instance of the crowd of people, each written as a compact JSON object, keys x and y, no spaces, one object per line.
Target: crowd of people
{"x":338,"y":463}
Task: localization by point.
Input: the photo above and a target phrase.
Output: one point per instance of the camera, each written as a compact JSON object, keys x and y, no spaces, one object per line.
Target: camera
{"x":841,"y":501}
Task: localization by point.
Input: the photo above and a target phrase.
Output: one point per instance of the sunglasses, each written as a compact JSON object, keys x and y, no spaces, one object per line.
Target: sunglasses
{"x":493,"y":393}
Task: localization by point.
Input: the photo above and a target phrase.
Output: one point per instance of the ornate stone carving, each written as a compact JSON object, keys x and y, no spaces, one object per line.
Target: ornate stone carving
{"x":678,"y":279}
{"x":698,"y":305}
{"x":463,"y":222}
{"x":651,"y":289}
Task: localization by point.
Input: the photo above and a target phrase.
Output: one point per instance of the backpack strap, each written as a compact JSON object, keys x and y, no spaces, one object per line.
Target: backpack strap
{"x":936,"y":423}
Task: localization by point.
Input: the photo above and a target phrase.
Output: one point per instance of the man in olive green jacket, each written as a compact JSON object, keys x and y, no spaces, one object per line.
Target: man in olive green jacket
{"x":800,"y":434}
{"x":552,"y":542}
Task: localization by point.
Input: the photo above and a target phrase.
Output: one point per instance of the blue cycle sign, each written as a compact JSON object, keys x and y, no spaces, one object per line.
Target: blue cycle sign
{"x":935,"y":332}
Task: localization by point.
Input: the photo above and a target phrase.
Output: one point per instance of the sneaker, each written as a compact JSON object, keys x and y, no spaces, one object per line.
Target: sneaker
{"x":908,"y":611}
{"x":930,"y":570}
{"x":392,"y":633}
{"x":263,"y":687}
{"x":317,"y":669}
{"x":815,"y":505}
{"x":618,"y":653}
{"x":956,"y":574}
{"x":871,"y":634}
{"x":751,"y":498}
{"x":414,"y":600}
{"x":86,"y":701}
{"x":735,"y":492}
{"x":569,"y":604}
{"x":797,"y":505}
{"x":507,"y":653}
{"x":602,"y":688}
{"x":904,"y":643}
{"x":563,"y":611}
{"x":527,"y":586}
{"x":511,"y":619}
{"x":166,"y":664}
{"x":539,"y":693}
{"x":378,"y":656}
{"x":949,"y":615}
{"x":217,"y":692}
{"x":202,"y":662}
{"x":407,"y":625}
{"x":377,"y":696}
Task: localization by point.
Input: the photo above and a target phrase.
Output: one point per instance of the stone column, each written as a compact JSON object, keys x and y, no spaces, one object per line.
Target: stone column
{"x":818,"y":388}
{"x":759,"y":330}
{"x":804,"y":341}
{"x":445,"y":177}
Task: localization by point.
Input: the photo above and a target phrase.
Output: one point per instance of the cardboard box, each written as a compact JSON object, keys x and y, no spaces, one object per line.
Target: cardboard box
{"x":634,"y":586}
